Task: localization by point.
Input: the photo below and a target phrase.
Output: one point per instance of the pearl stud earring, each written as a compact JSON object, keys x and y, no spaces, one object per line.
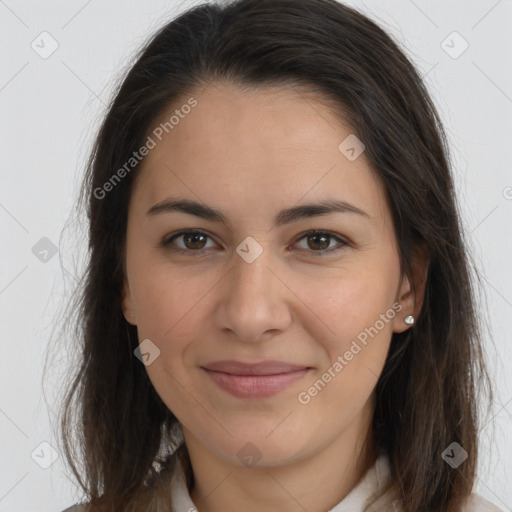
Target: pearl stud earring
{"x":409,"y":320}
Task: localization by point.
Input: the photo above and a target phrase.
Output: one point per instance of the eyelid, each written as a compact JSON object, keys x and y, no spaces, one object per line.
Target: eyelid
{"x":168,"y":239}
{"x":166,"y":242}
{"x":342,"y":242}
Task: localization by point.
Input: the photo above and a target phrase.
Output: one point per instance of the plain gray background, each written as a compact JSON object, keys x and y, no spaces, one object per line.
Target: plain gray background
{"x":51,"y":106}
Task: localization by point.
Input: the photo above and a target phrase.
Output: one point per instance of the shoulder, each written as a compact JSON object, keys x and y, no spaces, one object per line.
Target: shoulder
{"x":476,"y":503}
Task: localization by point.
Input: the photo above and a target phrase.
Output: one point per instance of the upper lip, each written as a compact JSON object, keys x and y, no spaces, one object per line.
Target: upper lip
{"x":262,"y":368}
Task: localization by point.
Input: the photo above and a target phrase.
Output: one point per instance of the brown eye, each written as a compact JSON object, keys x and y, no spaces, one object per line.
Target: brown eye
{"x":189,"y":241}
{"x":194,"y":240}
{"x":319,"y":242}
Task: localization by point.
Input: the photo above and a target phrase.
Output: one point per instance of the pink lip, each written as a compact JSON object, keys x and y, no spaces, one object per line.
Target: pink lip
{"x":256,"y":380}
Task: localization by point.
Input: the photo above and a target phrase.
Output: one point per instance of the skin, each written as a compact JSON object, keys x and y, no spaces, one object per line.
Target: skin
{"x":251,"y":153}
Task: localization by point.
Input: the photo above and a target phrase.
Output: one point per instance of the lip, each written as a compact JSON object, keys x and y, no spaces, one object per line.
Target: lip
{"x":254,"y":380}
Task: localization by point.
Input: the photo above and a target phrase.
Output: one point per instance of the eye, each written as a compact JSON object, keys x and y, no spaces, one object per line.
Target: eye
{"x":195,"y":241}
{"x":320,"y":241}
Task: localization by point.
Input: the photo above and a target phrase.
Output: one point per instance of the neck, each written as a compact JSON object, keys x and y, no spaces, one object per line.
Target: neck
{"x":316,"y":484}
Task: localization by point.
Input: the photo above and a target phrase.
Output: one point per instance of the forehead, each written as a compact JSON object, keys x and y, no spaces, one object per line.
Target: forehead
{"x":253,"y":148}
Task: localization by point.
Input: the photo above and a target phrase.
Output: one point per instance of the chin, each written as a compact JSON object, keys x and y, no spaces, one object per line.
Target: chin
{"x":260,"y":445}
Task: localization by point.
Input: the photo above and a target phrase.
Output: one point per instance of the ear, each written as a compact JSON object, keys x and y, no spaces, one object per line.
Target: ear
{"x":410,"y":302}
{"x":127,"y":303}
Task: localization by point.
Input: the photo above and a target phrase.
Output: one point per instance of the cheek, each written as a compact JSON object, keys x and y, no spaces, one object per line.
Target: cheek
{"x":354,"y":355}
{"x":350,"y":307}
{"x":168,"y":309}
{"x":173,"y":306}
{"x":355,"y":332}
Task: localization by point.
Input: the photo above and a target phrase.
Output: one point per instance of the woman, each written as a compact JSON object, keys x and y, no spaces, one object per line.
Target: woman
{"x":278,"y":312}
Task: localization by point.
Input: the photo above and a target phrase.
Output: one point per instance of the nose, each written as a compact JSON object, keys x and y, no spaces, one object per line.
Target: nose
{"x":254,"y":302}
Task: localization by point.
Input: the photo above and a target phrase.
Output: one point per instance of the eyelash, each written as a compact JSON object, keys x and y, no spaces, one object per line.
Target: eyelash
{"x":166,"y":242}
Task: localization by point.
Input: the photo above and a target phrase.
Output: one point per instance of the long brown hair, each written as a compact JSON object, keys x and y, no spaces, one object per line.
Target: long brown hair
{"x":117,"y":432}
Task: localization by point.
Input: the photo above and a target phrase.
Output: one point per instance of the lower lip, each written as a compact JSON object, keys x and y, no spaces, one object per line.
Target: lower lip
{"x":255,"y":386}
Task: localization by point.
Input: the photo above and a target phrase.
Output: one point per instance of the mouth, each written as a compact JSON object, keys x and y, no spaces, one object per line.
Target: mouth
{"x":255,"y":380}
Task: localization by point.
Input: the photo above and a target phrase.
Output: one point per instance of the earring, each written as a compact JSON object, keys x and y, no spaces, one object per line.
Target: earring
{"x":409,"y":320}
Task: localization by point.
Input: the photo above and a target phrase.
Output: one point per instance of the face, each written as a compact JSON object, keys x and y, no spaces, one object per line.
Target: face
{"x":265,"y":326}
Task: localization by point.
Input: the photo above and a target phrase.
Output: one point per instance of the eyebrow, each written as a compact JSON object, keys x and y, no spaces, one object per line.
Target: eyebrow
{"x":286,"y":216}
